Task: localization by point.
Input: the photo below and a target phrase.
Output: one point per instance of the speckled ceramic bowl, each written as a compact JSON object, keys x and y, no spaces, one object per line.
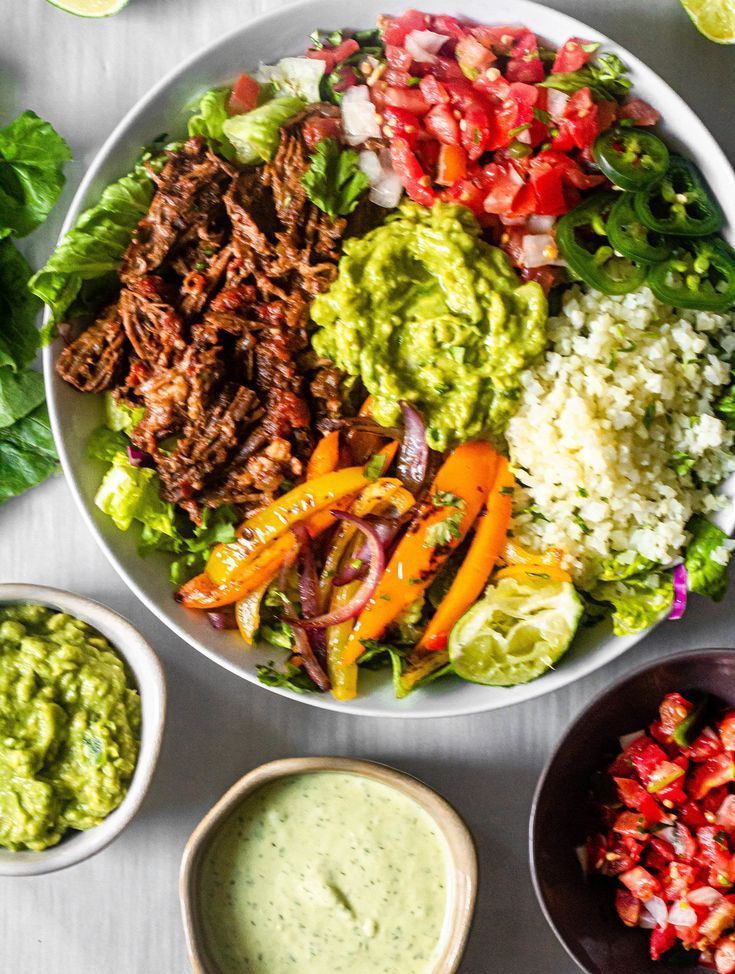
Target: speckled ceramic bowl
{"x":151,"y":685}
{"x":581,"y":909}
{"x":463,"y":888}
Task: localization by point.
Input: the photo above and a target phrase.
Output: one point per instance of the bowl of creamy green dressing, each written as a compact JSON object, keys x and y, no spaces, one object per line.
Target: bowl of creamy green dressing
{"x":82,"y":706}
{"x":324,"y":864}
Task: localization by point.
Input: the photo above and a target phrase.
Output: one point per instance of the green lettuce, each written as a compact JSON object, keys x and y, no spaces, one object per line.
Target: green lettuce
{"x":615,"y":569}
{"x":93,"y":248}
{"x":299,"y":77}
{"x":209,"y":119}
{"x":706,"y":576}
{"x":256,"y":134}
{"x":18,"y":309}
{"x":638,"y":602}
{"x":334,"y":181}
{"x":32,"y":157}
{"x":129,"y":494}
{"x":27,"y":453}
{"x":20,"y":394}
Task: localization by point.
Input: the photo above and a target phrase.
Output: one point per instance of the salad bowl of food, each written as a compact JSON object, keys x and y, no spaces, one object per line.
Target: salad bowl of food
{"x":397,"y":374}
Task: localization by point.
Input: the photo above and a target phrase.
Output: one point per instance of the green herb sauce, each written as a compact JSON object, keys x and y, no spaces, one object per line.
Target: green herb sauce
{"x":69,"y":726}
{"x":325,"y":873}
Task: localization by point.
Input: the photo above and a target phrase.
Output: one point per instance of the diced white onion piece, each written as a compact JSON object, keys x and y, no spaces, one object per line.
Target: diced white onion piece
{"x":726,"y":812}
{"x":385,"y":186}
{"x":556,"y":102}
{"x":627,"y":739}
{"x":513,"y":221}
{"x":657,"y":910}
{"x":682,"y":915}
{"x":538,"y":250}
{"x":705,"y":896}
{"x":646,"y":922}
{"x":359,"y":118}
{"x":540,"y":224}
{"x":423,"y":45}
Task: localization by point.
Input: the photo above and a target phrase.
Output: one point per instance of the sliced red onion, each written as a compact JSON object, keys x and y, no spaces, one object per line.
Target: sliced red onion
{"x":680,"y":592}
{"x":360,"y":599}
{"x":223,"y":618}
{"x":309,"y":590}
{"x":138,"y":458}
{"x":386,"y":529}
{"x":64,"y":331}
{"x":306,"y":652}
{"x":705,"y":896}
{"x":413,"y":457}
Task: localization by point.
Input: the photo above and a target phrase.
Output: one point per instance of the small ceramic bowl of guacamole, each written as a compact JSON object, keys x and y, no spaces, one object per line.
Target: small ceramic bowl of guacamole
{"x":328,"y":864}
{"x":82,"y":705}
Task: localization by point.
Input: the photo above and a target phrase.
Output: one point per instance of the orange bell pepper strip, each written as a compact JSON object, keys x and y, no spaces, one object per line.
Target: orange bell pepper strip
{"x":230,"y":562}
{"x":514,"y":554}
{"x":465,"y":476}
{"x":553,"y":572}
{"x":476,"y":568}
{"x":325,"y":457}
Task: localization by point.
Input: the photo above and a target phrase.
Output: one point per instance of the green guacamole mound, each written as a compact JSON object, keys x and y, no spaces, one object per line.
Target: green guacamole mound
{"x":69,"y":726}
{"x":424,"y":310}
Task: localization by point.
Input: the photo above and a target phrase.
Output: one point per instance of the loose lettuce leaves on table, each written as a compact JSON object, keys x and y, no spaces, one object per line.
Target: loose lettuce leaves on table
{"x":93,"y":248}
{"x":32,"y":156}
{"x":334,"y":181}
{"x":638,"y":602}
{"x":256,"y":134}
{"x":18,"y":310}
{"x":20,"y":394}
{"x":707,"y":558}
{"x":27,"y":453}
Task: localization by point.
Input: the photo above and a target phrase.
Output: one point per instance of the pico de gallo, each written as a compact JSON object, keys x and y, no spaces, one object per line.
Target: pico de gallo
{"x":663,"y":826}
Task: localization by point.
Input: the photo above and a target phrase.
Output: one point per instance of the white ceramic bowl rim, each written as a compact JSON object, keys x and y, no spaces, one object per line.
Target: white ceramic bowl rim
{"x":151,"y":684}
{"x":271,"y":36}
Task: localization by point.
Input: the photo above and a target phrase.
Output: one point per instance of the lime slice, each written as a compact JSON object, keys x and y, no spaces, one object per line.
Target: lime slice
{"x":517,"y":632}
{"x":713,"y":18}
{"x":90,"y":8}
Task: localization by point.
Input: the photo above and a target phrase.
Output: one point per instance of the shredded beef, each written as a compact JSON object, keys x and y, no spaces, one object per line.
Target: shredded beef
{"x":209,"y":331}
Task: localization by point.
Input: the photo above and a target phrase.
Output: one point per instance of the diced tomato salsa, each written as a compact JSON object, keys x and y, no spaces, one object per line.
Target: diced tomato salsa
{"x":663,"y":827}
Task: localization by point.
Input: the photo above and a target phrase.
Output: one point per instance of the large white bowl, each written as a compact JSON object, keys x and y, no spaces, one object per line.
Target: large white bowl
{"x":74,"y":416}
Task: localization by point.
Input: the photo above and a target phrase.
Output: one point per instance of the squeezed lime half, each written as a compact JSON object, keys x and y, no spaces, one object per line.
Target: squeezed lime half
{"x":90,"y":8}
{"x":516,"y":632}
{"x":713,"y":18}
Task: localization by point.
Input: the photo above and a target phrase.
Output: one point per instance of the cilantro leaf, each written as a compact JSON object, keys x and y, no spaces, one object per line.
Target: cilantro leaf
{"x":289,"y":678}
{"x":606,"y":77}
{"x":32,"y":156}
{"x":334,"y":182}
{"x":442,"y":533}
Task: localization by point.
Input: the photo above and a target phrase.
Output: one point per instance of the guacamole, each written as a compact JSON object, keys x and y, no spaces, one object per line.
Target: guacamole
{"x":424,"y":310}
{"x":69,"y":726}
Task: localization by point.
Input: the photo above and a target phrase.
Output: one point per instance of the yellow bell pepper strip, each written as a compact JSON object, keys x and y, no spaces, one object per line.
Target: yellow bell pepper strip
{"x":521,"y":572}
{"x":457,"y":496}
{"x":247,"y":612}
{"x":514,"y":554}
{"x":230,"y":562}
{"x":380,"y":495}
{"x":420,"y":666}
{"x":343,"y":678}
{"x":202,"y":593}
{"x":325,"y":457}
{"x":477,"y":566}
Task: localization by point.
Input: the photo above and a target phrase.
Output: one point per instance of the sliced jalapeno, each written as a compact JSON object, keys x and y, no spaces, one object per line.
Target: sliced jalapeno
{"x":631,"y":158}
{"x":681,"y":204}
{"x":699,"y":274}
{"x":581,"y":236}
{"x":630,"y":238}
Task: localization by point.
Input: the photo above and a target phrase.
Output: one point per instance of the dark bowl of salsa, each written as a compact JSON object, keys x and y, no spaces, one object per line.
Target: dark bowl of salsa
{"x":579,"y":904}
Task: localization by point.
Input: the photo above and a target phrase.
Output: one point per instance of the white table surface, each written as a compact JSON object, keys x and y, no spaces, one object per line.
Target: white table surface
{"x":118,"y":913}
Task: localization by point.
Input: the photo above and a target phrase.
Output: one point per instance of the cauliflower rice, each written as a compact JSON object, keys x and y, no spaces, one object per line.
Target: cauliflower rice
{"x":615,"y":443}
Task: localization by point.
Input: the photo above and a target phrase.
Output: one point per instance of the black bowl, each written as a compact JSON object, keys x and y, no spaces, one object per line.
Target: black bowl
{"x":580,"y":909}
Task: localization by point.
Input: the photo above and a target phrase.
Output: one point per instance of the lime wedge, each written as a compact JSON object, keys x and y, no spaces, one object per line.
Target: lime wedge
{"x":90,"y":8}
{"x":713,"y":18}
{"x":516,"y":632}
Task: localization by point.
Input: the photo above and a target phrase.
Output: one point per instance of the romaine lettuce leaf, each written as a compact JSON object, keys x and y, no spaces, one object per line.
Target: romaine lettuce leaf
{"x":707,"y":575}
{"x":27,"y":453}
{"x":119,"y":416}
{"x":32,"y":156}
{"x":299,"y":77}
{"x":638,"y":602}
{"x":256,"y":134}
{"x":211,"y":114}
{"x":20,"y":393}
{"x":616,"y":569}
{"x":18,"y":309}
{"x":94,"y":247}
{"x":129,"y":494}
